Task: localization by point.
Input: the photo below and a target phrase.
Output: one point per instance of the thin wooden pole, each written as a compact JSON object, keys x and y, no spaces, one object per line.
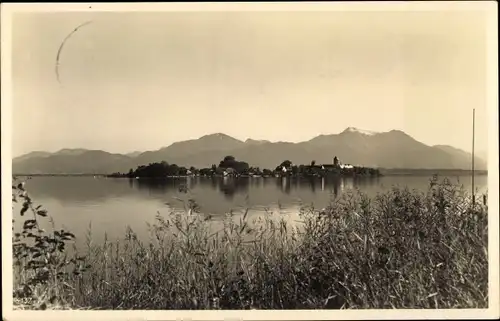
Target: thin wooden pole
{"x":473,"y":136}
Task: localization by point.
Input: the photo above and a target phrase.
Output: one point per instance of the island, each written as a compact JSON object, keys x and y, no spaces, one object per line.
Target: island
{"x":230,"y":167}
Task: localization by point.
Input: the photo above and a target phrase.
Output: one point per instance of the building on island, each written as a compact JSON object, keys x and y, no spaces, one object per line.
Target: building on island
{"x":336,"y":164}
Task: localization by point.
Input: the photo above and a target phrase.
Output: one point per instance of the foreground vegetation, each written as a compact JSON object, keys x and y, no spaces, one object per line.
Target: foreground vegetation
{"x":401,"y":249}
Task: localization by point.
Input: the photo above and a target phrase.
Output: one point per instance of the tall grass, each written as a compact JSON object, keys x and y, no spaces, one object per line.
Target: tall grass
{"x":400,"y":249}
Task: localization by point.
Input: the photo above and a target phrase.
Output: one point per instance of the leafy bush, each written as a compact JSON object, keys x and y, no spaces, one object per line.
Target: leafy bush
{"x":42,"y":268}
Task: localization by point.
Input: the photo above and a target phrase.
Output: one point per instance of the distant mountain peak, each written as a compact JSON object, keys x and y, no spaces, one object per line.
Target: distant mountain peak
{"x":399,"y":133}
{"x":64,"y":150}
{"x":31,"y":155}
{"x":359,"y":131}
{"x":133,"y":154}
{"x":445,"y":146}
{"x":256,"y":141}
{"x":71,"y":151}
{"x":218,"y":135}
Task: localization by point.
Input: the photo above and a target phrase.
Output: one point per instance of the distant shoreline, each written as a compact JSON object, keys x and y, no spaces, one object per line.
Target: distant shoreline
{"x":383,"y":172}
{"x":426,"y":172}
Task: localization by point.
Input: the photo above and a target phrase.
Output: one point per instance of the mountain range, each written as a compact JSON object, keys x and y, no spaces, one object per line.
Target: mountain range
{"x":391,"y":150}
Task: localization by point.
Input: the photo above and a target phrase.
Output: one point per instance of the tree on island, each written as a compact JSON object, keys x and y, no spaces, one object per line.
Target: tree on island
{"x":156,"y":170}
{"x":286,"y":164}
{"x":231,"y":162}
{"x":267,"y":172}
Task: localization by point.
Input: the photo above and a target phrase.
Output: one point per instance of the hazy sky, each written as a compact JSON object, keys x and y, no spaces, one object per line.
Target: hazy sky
{"x":140,"y":81}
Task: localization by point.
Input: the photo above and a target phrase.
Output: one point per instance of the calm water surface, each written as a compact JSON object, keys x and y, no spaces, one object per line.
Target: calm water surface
{"x":111,"y":205}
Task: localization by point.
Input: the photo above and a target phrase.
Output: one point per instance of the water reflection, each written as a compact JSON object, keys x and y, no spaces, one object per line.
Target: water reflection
{"x":230,"y":186}
{"x":227,"y":186}
{"x":227,"y":190}
{"x":111,"y":204}
{"x":312,"y":184}
{"x":158,"y":186}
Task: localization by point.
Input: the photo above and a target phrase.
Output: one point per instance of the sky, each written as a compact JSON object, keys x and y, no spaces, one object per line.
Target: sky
{"x":136,"y":81}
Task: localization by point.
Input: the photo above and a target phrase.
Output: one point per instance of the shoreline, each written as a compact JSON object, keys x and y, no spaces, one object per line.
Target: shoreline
{"x":384,"y":173}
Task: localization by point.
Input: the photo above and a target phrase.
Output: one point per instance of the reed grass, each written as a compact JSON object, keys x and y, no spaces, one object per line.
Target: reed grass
{"x":401,"y":249}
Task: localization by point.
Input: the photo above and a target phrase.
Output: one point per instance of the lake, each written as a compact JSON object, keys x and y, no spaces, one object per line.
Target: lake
{"x":112,"y":204}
